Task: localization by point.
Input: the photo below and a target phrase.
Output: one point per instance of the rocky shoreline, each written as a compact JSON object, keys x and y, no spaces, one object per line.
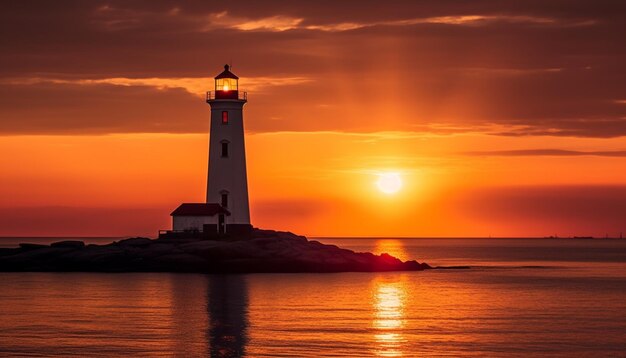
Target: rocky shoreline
{"x":264,"y":251}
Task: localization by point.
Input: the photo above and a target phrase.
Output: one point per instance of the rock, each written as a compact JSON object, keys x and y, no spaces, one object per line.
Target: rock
{"x":136,"y":242}
{"x":68,"y":243}
{"x":27,"y":246}
{"x":260,"y":251}
{"x":7,"y":251}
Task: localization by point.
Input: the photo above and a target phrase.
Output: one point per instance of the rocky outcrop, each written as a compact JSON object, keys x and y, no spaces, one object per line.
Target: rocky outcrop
{"x":263,"y":251}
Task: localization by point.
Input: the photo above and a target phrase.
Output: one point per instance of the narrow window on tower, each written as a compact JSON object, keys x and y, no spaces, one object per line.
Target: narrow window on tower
{"x":224,"y":149}
{"x":224,"y":117}
{"x":225,"y":199}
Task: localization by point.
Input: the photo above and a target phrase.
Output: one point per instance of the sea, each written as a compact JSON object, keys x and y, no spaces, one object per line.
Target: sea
{"x":518,"y":298}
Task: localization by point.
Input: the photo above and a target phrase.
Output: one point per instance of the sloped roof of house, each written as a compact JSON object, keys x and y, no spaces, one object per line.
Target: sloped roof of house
{"x":199,"y":209}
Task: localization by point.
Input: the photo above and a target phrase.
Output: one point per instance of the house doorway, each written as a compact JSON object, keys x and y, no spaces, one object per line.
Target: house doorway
{"x":221,"y":225}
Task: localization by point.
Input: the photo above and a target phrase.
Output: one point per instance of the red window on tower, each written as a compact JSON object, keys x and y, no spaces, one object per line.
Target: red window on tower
{"x":225,"y":117}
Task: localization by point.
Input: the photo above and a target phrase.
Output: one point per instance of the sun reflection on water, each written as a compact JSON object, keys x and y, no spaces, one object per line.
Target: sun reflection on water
{"x":389,"y":301}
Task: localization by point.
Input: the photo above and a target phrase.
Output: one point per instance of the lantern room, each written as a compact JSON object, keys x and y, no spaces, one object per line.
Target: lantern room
{"x":226,"y":85}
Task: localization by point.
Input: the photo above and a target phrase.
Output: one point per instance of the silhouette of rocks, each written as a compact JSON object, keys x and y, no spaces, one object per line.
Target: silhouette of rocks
{"x":262,"y":251}
{"x":136,"y":242}
{"x":27,"y":246}
{"x":68,"y":243}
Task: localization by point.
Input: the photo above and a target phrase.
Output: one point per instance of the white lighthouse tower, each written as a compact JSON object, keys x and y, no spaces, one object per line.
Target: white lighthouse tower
{"x":227,"y":179}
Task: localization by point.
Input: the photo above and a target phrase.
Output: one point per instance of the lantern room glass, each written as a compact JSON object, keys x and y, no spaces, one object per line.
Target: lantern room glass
{"x":226,"y":84}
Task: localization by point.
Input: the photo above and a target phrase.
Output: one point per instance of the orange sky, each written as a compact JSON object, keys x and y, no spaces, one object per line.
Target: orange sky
{"x":500,"y":120}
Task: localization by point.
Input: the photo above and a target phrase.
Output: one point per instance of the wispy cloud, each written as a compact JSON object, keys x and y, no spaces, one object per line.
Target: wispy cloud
{"x":122,"y":18}
{"x":586,"y":127}
{"x":508,"y":71}
{"x":473,"y":20}
{"x":548,"y":152}
{"x":272,"y":23}
{"x":280,"y":23}
{"x":193,"y":85}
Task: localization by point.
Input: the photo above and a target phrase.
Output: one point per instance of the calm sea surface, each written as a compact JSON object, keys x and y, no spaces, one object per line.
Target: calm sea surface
{"x":522,"y":297}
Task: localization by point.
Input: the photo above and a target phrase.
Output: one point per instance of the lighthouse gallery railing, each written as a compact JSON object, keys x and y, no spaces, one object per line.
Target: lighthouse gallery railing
{"x":241,"y":95}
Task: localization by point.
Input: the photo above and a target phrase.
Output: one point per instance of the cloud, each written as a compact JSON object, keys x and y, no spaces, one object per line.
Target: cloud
{"x":82,"y":221}
{"x":484,"y":20}
{"x":536,"y":69}
{"x":70,"y":108}
{"x":567,"y":127}
{"x":195,"y":86}
{"x":553,"y":210}
{"x":284,"y":23}
{"x":509,"y":72}
{"x":272,"y":23}
{"x":548,"y":152}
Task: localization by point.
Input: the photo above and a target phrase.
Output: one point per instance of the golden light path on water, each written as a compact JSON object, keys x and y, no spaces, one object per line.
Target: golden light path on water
{"x":389,"y":300}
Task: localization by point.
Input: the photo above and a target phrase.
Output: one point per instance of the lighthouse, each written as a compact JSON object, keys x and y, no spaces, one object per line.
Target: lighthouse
{"x":227,"y":182}
{"x":226,"y":210}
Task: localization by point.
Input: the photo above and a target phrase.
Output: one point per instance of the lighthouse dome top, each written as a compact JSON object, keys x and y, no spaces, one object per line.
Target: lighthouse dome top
{"x":226,"y":74}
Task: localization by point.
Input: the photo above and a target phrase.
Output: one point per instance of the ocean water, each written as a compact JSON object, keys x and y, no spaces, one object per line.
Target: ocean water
{"x":521,"y":297}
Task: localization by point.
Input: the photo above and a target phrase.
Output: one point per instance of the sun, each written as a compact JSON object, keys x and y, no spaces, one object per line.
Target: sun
{"x":389,"y":183}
